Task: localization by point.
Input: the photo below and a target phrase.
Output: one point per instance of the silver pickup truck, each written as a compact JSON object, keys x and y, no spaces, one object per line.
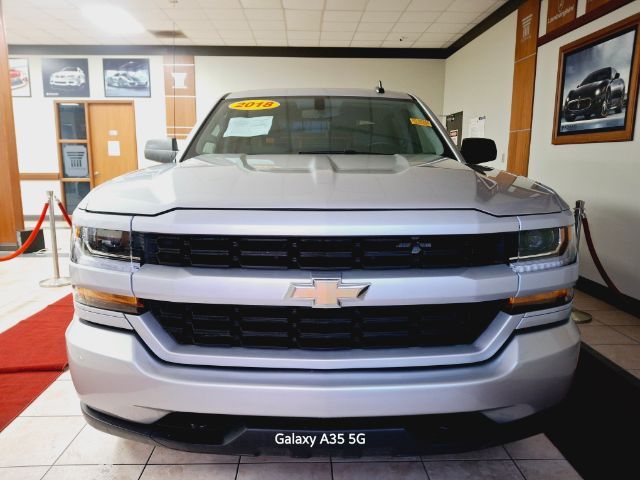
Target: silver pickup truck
{"x":319,"y":269}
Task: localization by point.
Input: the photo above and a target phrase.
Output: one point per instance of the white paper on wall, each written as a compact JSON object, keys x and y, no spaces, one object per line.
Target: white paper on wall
{"x":248,"y":126}
{"x":476,"y":126}
{"x":113,"y":148}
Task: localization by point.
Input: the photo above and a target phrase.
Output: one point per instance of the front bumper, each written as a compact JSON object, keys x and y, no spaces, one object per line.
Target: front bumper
{"x":116,"y":374}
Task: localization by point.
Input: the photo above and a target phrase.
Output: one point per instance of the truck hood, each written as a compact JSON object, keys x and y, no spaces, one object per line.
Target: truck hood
{"x":312,"y":182}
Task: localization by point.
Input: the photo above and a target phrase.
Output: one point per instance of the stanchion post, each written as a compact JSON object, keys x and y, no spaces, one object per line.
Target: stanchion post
{"x":56,"y":280}
{"x":579,"y":316}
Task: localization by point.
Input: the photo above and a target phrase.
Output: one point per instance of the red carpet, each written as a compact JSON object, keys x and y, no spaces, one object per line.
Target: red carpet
{"x":32,"y":355}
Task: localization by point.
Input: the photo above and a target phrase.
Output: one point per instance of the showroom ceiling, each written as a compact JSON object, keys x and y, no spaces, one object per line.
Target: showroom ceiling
{"x":300,"y":23}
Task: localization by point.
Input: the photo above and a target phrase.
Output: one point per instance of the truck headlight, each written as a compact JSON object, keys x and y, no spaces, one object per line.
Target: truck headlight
{"x":597,"y":92}
{"x":101,"y":243}
{"x":544,"y":248}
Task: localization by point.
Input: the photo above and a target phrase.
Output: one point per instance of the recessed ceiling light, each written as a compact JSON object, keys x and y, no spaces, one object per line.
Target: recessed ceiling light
{"x":111,"y":19}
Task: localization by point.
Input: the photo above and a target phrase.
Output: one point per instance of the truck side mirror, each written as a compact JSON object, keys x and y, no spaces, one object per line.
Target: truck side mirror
{"x":162,"y":150}
{"x":478,"y":150}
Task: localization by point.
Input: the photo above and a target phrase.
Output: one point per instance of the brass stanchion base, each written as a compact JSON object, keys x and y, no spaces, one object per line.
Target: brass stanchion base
{"x":55,"y":282}
{"x":579,"y":316}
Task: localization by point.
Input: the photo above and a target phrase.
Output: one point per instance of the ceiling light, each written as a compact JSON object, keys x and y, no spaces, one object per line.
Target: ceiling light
{"x":113,"y":20}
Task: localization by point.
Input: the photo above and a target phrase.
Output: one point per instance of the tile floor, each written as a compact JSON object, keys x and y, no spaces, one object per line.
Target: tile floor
{"x":50,"y":440}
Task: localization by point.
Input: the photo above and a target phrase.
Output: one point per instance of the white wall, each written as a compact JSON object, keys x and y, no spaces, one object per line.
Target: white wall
{"x":479,"y":81}
{"x":216,"y":76}
{"x":35,"y":124}
{"x":605,"y":175}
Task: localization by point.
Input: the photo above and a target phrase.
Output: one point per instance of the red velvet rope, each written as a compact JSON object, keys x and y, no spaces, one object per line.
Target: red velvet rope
{"x":31,"y":238}
{"x":596,"y":260}
{"x":64,"y":212}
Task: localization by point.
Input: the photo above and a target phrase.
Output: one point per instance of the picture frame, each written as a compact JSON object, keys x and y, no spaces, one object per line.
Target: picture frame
{"x":19,"y":77}
{"x":597,"y":86}
{"x":65,"y":77}
{"x":126,"y":77}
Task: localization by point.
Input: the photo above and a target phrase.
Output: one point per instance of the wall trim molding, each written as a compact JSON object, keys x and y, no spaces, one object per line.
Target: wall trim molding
{"x":39,"y":176}
{"x":582,"y":20}
{"x":625,"y":303}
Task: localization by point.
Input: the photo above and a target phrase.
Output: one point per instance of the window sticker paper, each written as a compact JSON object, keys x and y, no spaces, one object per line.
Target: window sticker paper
{"x":248,"y":126}
{"x":420,"y":121}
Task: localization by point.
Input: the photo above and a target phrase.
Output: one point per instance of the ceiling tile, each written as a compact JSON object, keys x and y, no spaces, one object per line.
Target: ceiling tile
{"x":231,"y":24}
{"x":220,"y":3}
{"x":240,"y":42}
{"x":376,"y":16}
{"x":341,"y":16}
{"x":228,"y":13}
{"x":336,"y":35}
{"x":339,"y":26}
{"x":226,"y":34}
{"x":184,"y":13}
{"x":261,"y":3}
{"x":387,"y":5}
{"x":375,"y":27}
{"x":471,"y":5}
{"x":426,"y":17}
{"x":303,"y":19}
{"x":303,"y":35}
{"x":197,"y":24}
{"x":303,"y":4}
{"x":345,"y":4}
{"x":420,"y":44}
{"x":435,"y":37}
{"x":180,"y":4}
{"x":270,"y":35}
{"x":402,"y":40}
{"x":370,"y":36}
{"x":410,"y":27}
{"x":267,"y":25}
{"x":304,"y":43}
{"x":447,"y":27}
{"x":365,"y":43}
{"x":457,"y":17}
{"x":271,"y":43}
{"x":334,"y":43}
{"x":429,"y":5}
{"x":264,"y":14}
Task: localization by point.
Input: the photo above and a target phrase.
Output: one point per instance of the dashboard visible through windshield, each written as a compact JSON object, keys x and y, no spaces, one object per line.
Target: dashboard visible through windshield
{"x":317,"y":124}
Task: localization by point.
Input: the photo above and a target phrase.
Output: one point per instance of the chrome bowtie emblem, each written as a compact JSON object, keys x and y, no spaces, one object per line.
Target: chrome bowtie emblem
{"x":327,"y":293}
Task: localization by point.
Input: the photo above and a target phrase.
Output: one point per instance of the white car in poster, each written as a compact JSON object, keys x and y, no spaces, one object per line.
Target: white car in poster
{"x":68,"y":77}
{"x":125,"y":80}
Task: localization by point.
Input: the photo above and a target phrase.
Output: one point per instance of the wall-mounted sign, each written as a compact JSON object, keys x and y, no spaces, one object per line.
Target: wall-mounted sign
{"x":19,"y":77}
{"x":598,"y":85}
{"x":560,"y":12}
{"x":65,"y":77}
{"x":126,"y":77}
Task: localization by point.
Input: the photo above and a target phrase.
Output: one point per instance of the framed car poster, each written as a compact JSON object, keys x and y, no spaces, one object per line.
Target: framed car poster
{"x":19,"y":77}
{"x":126,"y":77}
{"x":65,"y":77}
{"x":597,"y":86}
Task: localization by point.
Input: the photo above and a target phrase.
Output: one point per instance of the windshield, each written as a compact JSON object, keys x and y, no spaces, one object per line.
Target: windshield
{"x":308,"y":124}
{"x":597,"y":76}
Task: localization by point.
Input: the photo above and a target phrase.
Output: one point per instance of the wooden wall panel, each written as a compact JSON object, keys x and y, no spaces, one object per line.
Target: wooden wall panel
{"x":11,"y":218}
{"x":524,"y":76}
{"x":593,"y":4}
{"x":560,"y":12}
{"x":180,"y":94}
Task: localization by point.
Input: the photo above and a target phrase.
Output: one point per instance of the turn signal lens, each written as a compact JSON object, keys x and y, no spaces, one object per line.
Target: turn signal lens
{"x":108,"y":301}
{"x":540,"y":301}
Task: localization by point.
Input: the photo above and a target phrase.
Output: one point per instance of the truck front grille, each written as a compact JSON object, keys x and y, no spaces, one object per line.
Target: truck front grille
{"x":325,"y":253}
{"x":313,"y":328}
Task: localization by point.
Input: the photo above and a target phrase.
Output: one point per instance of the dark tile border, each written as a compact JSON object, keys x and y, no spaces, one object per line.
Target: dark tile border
{"x":625,"y":303}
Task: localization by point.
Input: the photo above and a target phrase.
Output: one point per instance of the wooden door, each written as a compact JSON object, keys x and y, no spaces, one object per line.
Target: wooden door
{"x":112,"y":136}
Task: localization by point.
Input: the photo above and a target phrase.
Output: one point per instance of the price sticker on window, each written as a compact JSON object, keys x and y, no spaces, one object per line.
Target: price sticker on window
{"x":254,"y":105}
{"x":420,"y":121}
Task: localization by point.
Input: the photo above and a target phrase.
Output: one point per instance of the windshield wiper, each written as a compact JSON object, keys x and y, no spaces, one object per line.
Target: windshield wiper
{"x":341,"y":152}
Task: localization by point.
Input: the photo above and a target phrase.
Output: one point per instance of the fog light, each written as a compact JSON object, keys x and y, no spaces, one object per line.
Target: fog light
{"x":108,"y":301}
{"x":539,"y":301}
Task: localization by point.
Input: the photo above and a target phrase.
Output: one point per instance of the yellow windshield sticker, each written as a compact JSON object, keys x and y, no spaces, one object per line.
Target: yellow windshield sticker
{"x":420,"y":121}
{"x":254,"y":105}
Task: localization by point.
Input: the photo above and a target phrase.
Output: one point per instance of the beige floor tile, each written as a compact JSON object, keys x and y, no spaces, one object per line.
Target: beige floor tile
{"x":615,"y":317}
{"x":281,"y":459}
{"x":95,"y":447}
{"x":632,"y":331}
{"x":290,"y":471}
{"x":58,"y":400}
{"x":380,"y":458}
{"x":22,"y":473}
{"x":189,"y":472}
{"x":163,"y":455}
{"x":31,"y":441}
{"x":94,"y":472}
{"x":627,"y":356}
{"x":473,"y":470}
{"x":603,"y":335}
{"x":379,"y":470}
{"x":547,"y":470}
{"x":493,"y":453}
{"x":537,"y":447}
{"x":66,"y":375}
{"x":587,"y":302}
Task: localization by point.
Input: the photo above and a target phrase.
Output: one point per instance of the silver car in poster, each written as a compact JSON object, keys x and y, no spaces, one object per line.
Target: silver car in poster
{"x":319,"y":262}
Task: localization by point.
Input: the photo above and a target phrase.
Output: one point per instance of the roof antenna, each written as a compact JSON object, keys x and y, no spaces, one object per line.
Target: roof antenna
{"x":379,"y":88}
